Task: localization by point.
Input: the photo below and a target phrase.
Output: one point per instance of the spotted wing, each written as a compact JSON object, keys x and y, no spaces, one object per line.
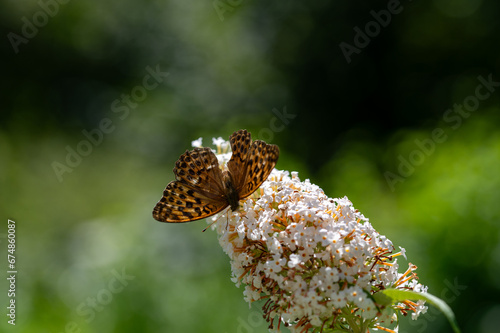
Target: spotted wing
{"x":251,"y":162}
{"x":197,"y":192}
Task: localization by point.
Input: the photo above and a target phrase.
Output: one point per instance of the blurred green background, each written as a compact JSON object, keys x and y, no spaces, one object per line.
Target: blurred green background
{"x":386,"y":102}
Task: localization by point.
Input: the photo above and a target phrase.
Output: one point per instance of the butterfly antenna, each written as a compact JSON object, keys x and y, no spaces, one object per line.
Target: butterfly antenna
{"x":211,"y":224}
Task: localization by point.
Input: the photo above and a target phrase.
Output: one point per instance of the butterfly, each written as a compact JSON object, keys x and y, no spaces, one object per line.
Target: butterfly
{"x":202,"y":188}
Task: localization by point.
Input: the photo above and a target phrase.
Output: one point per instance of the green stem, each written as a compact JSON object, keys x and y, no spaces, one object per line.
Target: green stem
{"x":354,"y":328}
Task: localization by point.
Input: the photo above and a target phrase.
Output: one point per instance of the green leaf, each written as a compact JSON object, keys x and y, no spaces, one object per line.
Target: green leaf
{"x":391,"y":296}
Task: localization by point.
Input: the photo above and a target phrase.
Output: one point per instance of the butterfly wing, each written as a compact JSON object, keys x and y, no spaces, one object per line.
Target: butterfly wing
{"x":251,"y":162}
{"x":240,"y":145}
{"x":197,"y":192}
{"x":184,"y":203}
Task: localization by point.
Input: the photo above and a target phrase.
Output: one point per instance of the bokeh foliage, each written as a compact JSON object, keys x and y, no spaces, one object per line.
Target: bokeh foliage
{"x":349,"y":124}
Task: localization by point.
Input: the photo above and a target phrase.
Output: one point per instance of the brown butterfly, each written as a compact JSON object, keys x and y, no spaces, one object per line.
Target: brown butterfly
{"x":202,"y":189}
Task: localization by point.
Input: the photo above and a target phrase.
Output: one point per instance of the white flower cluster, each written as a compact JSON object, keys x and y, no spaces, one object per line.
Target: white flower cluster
{"x":316,"y":261}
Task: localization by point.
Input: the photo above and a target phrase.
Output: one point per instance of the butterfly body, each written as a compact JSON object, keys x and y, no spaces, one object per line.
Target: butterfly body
{"x":232,"y":197}
{"x":202,"y":189}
